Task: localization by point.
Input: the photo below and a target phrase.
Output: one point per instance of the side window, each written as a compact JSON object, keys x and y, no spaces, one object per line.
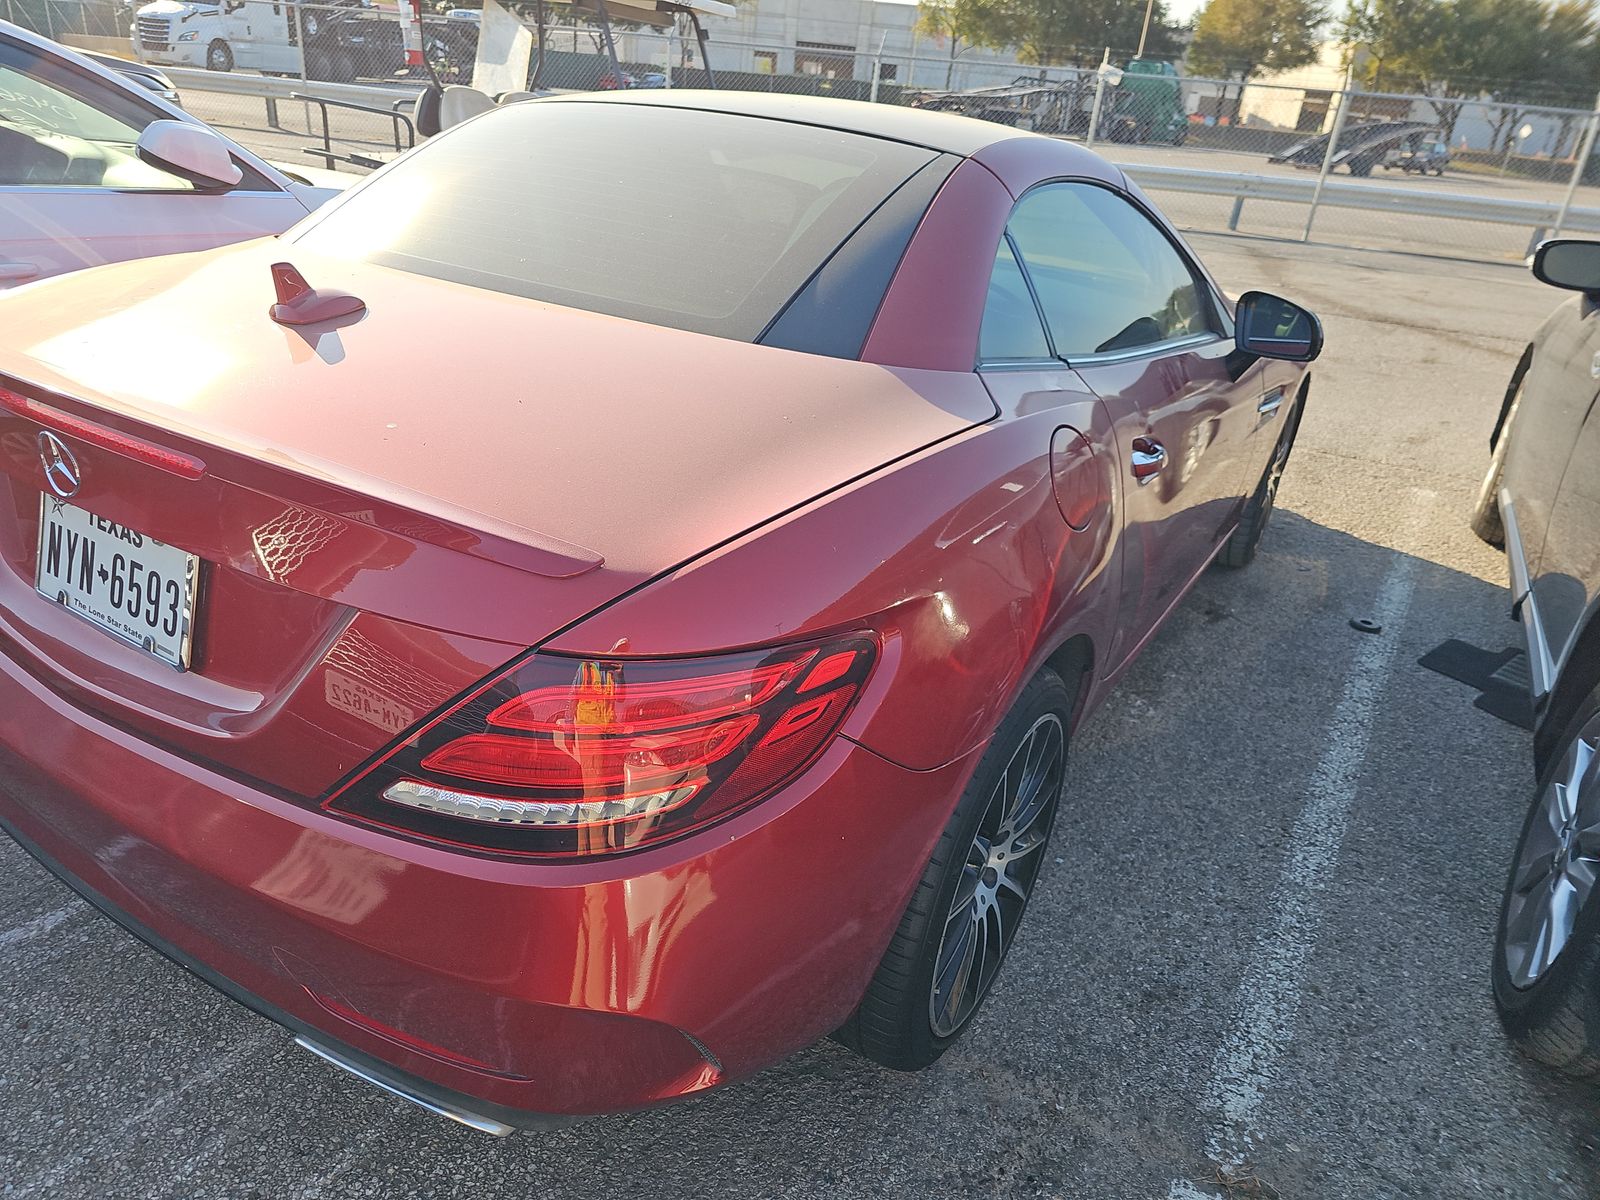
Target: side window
{"x":1011,"y":328}
{"x":1108,"y":279}
{"x":60,"y":128}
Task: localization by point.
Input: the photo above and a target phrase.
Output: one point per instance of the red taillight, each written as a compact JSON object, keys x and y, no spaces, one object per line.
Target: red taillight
{"x":644,"y":706}
{"x":560,"y":756}
{"x":586,"y":759}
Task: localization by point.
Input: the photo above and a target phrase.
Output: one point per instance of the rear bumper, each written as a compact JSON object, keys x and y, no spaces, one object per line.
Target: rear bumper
{"x":509,"y":992}
{"x":488,"y":1118}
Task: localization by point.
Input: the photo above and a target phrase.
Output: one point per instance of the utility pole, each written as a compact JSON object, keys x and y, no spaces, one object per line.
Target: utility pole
{"x":877,"y":67}
{"x":1333,"y":147}
{"x":1105,"y":76}
{"x":1585,"y":148}
{"x":1144,"y":33}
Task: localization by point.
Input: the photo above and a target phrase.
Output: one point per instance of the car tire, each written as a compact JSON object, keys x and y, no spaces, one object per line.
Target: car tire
{"x":1245,"y":540}
{"x":341,"y":67}
{"x":317,"y":64}
{"x":1485,"y":520}
{"x":1546,"y":985}
{"x":219,"y":56}
{"x":919,"y":1001}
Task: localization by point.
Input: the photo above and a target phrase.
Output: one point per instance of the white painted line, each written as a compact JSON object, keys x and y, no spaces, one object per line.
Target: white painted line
{"x":42,"y":924}
{"x":47,"y":1181}
{"x":1268,"y":1000}
{"x":361,"y":1144}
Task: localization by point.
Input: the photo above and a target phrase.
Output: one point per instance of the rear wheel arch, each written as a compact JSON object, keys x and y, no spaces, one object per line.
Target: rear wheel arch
{"x":1500,"y":422}
{"x":1074,"y":662}
{"x":896,"y":1019}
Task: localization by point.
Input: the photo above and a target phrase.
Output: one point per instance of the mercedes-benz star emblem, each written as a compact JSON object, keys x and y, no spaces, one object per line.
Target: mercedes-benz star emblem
{"x":60,"y":465}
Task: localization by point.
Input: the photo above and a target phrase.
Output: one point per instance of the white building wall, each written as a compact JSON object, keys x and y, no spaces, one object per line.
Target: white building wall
{"x":790,"y":37}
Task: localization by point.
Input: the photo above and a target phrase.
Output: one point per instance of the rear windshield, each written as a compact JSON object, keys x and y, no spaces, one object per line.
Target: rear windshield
{"x":698,"y":220}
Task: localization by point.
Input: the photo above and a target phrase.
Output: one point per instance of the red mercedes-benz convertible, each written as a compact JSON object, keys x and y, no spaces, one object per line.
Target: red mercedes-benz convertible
{"x":604,"y":603}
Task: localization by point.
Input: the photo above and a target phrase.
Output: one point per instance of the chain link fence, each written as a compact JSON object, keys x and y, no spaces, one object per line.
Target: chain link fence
{"x":61,"y":19}
{"x":1144,"y":116}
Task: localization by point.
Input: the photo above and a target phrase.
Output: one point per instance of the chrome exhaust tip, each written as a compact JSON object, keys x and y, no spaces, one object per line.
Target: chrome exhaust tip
{"x":451,"y":1113}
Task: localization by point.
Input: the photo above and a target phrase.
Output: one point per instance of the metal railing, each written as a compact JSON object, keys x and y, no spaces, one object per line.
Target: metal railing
{"x":331,"y":157}
{"x":237,"y":83}
{"x":1278,"y":205}
{"x":1539,"y":216}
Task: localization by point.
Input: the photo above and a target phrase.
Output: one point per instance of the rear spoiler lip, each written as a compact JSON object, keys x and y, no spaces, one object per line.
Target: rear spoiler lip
{"x":355,"y":498}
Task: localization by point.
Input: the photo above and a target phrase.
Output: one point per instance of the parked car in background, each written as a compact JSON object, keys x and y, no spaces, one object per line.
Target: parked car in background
{"x":1540,"y":499}
{"x":1362,"y":146}
{"x":95,"y":168}
{"x":1425,"y":153}
{"x":143,"y":74}
{"x":595,"y":742}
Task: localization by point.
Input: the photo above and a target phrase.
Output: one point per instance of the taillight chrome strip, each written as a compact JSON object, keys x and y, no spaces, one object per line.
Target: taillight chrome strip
{"x":185,"y":466}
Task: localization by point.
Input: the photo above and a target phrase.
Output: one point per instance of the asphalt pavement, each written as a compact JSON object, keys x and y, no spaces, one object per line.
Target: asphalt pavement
{"x":1264,"y":936}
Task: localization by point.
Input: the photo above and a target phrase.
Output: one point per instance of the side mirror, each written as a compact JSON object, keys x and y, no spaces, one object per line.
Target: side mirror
{"x":191,"y":152}
{"x":1570,"y":263}
{"x":1269,"y":326}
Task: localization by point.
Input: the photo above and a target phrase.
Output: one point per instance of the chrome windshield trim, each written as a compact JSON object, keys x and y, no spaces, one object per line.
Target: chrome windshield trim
{"x":1023,"y":364}
{"x":1154,"y":350}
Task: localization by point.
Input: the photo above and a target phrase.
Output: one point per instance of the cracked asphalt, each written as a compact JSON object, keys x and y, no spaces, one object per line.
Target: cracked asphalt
{"x":1266,"y":926}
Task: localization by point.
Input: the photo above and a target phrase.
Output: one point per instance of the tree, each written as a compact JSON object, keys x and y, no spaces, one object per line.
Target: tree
{"x":1241,"y":37}
{"x":1385,"y":30}
{"x":1237,"y":38}
{"x":954,"y":22}
{"x":1571,"y":62}
{"x":1077,"y":32}
{"x":1516,"y":52}
{"x":1055,"y":32}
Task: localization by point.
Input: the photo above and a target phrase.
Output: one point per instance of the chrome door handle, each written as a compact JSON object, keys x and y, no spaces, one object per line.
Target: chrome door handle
{"x":1271,"y":404}
{"x":1149,"y":457}
{"x":16,"y":272}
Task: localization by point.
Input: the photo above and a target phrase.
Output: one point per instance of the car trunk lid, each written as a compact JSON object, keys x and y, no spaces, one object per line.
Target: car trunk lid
{"x":439,"y":482}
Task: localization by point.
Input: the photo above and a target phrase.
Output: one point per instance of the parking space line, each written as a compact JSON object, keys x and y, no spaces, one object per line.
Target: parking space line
{"x":1268,"y":1000}
{"x":47,"y":1181}
{"x":42,"y":924}
{"x":360,"y":1145}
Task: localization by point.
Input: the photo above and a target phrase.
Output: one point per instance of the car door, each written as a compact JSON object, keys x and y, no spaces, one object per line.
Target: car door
{"x":1049,"y":413}
{"x":1557,"y":393}
{"x":74,"y":192}
{"x":1567,"y":582}
{"x":1137,"y":321}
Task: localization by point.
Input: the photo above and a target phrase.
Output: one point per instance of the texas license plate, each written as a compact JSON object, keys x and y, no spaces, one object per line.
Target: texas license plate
{"x":127,"y":583}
